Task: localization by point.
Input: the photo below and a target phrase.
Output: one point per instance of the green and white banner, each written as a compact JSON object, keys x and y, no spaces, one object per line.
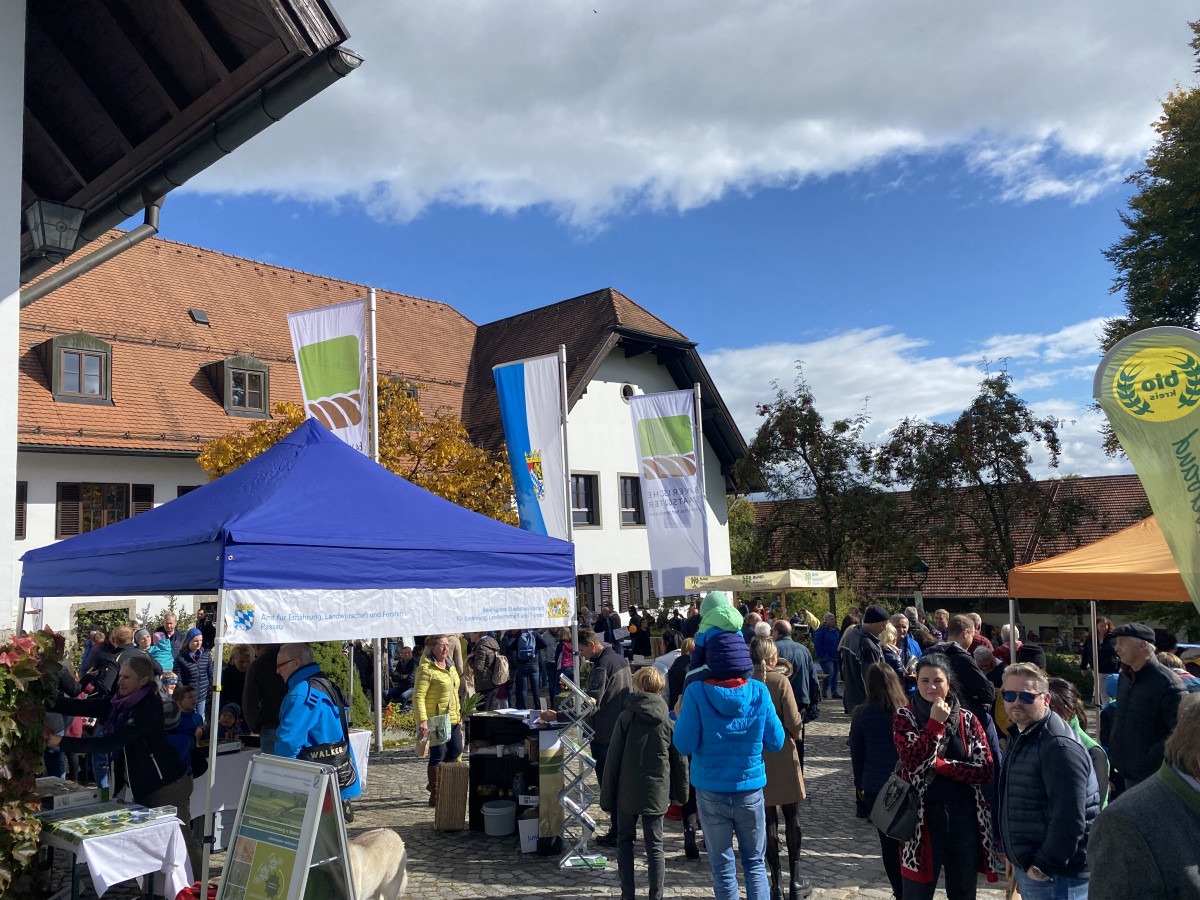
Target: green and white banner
{"x":1149,"y":388}
{"x":669,"y":445}
{"x":330,"y":344}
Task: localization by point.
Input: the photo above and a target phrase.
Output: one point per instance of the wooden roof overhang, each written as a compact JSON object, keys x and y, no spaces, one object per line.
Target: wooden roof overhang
{"x":115,"y":90}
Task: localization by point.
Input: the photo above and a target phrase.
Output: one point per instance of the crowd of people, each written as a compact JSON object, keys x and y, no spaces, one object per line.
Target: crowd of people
{"x":1001,"y":772}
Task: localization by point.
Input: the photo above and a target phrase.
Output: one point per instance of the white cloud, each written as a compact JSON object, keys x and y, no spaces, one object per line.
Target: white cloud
{"x":672,"y":104}
{"x":886,"y":373}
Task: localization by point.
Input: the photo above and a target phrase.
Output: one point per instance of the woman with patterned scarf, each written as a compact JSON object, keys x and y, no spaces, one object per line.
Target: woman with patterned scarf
{"x":944,"y":754}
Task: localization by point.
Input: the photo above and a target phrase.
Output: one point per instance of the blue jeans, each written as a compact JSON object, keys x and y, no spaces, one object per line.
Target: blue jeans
{"x":832,"y":668}
{"x":723,"y":815}
{"x":1059,"y":887}
{"x":100,"y":762}
{"x":526,"y":680}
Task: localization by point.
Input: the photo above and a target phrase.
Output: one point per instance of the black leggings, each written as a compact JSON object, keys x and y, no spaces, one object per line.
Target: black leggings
{"x":954,"y":844}
{"x":791,"y":833}
{"x":889,"y":850}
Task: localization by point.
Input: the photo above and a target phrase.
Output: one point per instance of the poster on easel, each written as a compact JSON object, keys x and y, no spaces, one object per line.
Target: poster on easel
{"x":289,"y":840}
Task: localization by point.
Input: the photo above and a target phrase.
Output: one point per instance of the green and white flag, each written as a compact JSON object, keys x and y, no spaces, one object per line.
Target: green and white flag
{"x":330,"y":345}
{"x":1149,"y":388}
{"x":672,"y":480}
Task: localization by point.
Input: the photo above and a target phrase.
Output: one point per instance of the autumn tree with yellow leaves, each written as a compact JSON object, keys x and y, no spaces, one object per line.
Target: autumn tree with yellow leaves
{"x":432,"y":452}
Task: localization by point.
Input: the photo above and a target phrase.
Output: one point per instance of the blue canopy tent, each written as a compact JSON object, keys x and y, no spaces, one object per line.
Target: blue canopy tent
{"x":311,"y":540}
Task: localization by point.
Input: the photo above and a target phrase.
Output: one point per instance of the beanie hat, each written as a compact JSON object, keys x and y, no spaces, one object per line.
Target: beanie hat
{"x":139,"y":634}
{"x":193,"y":633}
{"x":875,"y":614}
{"x":728,"y":656}
{"x":713,"y":600}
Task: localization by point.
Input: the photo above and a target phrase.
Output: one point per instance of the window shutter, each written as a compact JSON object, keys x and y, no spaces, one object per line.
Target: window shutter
{"x":650,"y":585}
{"x":622,"y":591}
{"x":606,"y":589}
{"x":22,"y":503}
{"x":143,"y":498}
{"x":68,"y":510}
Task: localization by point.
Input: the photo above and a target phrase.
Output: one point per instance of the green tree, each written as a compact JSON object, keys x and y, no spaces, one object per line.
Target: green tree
{"x":970,"y":481}
{"x":1158,"y":257}
{"x":747,"y":552}
{"x":839,"y":514}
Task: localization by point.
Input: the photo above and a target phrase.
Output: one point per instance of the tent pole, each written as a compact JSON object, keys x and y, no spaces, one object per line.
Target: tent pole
{"x":562,"y":402}
{"x":1012,"y":630}
{"x":378,"y":695}
{"x":211,"y":775}
{"x":1096,"y":676}
{"x":351,"y":681}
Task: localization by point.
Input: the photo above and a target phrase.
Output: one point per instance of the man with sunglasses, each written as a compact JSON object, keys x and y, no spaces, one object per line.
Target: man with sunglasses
{"x":1048,"y":793}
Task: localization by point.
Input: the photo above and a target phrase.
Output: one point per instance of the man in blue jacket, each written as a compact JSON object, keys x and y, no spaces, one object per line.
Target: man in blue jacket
{"x":724,"y":725}
{"x":825,"y":642}
{"x":310,"y":713}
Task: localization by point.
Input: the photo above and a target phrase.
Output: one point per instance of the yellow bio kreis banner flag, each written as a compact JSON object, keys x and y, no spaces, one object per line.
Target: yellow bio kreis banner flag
{"x":1149,"y":388}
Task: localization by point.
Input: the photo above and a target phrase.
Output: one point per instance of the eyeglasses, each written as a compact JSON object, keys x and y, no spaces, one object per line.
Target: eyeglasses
{"x":1026,"y":696}
{"x":281,"y":663}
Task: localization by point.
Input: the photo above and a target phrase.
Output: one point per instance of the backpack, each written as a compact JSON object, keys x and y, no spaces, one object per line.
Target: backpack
{"x":499,"y":669}
{"x":527,"y":645}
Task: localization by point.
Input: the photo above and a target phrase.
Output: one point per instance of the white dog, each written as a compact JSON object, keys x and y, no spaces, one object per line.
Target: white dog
{"x":379,"y":864}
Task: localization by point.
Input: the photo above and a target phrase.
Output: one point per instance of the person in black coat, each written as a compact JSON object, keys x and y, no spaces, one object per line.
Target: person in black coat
{"x":1109,"y":662}
{"x":1047,"y":789}
{"x":1147,"y":705}
{"x":873,"y":755}
{"x":135,"y":734}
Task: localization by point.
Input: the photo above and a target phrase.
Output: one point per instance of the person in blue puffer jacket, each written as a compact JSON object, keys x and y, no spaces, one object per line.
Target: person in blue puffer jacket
{"x":309,"y":716}
{"x":724,"y":725}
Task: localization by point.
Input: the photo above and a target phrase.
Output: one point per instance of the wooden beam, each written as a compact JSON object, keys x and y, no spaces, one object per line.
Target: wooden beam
{"x":34,"y":125}
{"x":193,"y":32}
{"x":163,"y":79}
{"x":53,"y":58}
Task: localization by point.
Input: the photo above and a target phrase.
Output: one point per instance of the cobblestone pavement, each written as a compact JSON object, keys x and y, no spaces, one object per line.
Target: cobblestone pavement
{"x":840,"y":852}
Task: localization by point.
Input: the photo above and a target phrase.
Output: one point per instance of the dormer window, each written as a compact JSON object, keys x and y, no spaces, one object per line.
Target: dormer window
{"x":79,"y":368}
{"x":246,"y":390}
{"x":242,"y":384}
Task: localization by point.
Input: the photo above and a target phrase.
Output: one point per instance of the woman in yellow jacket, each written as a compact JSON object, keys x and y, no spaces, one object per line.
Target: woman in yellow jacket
{"x":435,"y":693}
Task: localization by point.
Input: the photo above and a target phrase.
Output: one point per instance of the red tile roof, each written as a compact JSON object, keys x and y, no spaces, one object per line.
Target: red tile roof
{"x":162,"y":400}
{"x":1116,"y":502}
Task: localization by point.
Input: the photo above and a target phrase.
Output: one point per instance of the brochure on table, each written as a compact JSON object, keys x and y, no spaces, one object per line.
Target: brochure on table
{"x":289,"y":841}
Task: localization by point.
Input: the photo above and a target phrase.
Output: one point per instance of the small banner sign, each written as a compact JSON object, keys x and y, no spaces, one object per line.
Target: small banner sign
{"x":1149,"y":388}
{"x":330,"y":345}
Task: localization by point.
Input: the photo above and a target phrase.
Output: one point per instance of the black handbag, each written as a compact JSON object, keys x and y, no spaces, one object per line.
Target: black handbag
{"x":895,"y":809}
{"x":336,"y":753}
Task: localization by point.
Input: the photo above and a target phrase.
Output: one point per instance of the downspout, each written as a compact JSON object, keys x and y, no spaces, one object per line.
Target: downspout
{"x":252,"y":116}
{"x":98,"y":257}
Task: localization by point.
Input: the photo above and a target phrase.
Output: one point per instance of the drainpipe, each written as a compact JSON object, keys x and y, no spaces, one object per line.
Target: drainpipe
{"x":252,"y":116}
{"x":70,"y":272}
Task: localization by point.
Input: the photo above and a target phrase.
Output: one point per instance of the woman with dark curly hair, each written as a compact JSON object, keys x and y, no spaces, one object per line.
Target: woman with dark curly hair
{"x":944,"y":754}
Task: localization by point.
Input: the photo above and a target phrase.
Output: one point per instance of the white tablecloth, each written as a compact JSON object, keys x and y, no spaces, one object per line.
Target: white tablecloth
{"x":231,"y":774}
{"x":113,"y":858}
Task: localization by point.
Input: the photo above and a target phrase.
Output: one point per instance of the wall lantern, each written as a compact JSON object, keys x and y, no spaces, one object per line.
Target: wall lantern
{"x":53,"y":228}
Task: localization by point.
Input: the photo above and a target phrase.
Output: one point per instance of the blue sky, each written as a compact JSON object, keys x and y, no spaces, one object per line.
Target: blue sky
{"x":851,"y":186}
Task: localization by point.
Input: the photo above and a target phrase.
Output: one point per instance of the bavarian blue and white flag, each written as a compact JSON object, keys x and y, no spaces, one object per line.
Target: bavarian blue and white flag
{"x":530,"y":393}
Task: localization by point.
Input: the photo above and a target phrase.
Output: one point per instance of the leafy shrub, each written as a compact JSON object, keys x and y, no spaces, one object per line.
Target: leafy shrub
{"x":1060,"y":666}
{"x":28,"y":677}
{"x":334,"y":663}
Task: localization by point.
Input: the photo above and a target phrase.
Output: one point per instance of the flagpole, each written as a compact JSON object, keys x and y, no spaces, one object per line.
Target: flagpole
{"x":375,"y":643}
{"x":562,"y":396}
{"x":699,"y":439}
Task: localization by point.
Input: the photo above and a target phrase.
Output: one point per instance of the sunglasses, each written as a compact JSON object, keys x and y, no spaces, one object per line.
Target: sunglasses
{"x":1025,"y":696}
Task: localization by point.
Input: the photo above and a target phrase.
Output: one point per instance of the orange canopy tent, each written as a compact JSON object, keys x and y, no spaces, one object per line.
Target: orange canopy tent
{"x":1133,"y":564}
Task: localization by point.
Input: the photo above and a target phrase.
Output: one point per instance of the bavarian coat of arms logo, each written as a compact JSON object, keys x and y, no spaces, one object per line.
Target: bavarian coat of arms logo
{"x":533,"y":462}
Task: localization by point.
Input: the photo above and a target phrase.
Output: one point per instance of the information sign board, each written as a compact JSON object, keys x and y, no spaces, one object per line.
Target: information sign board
{"x":289,"y":841}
